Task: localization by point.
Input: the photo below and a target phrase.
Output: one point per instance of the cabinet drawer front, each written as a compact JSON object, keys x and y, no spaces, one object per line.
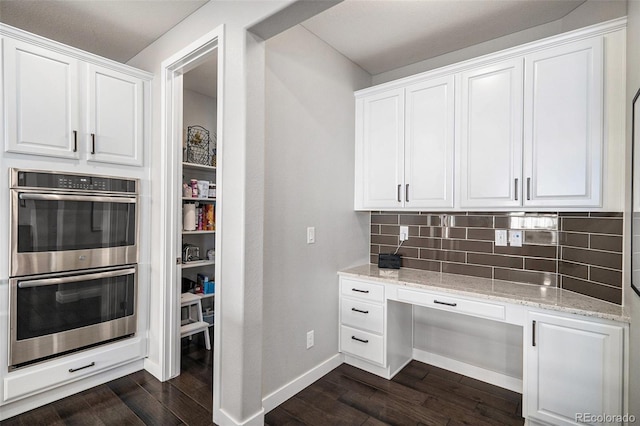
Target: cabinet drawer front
{"x":362,"y":315}
{"x":39,"y":378}
{"x":453,"y":304}
{"x":362,"y":344}
{"x":362,"y":290}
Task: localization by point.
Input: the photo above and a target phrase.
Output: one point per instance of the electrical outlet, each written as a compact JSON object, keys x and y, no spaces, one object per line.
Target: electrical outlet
{"x":501,"y":237}
{"x":515,"y":238}
{"x":404,"y":233}
{"x":309,"y":339}
{"x":311,"y":235}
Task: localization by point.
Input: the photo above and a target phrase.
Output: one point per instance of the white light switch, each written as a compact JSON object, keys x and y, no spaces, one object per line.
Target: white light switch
{"x":404,"y":233}
{"x":501,"y":237}
{"x":311,"y":235}
{"x":515,"y":238}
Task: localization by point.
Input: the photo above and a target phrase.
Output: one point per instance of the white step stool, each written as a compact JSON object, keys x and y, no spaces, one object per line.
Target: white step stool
{"x":197,"y":324}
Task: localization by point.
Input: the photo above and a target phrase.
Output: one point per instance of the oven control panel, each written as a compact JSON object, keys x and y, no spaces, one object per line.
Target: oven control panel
{"x":70,"y":181}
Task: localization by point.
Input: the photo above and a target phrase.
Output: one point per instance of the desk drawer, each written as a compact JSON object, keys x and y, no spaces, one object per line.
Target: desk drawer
{"x":362,"y":344}
{"x":366,"y":316}
{"x":453,"y":304}
{"x":362,"y":290}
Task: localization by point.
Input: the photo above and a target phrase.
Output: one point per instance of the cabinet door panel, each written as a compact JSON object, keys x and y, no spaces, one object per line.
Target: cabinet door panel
{"x":574,"y":367}
{"x":563,"y":125}
{"x":491,"y":136}
{"x":429,"y":144}
{"x":383,"y":153}
{"x":115,"y":116}
{"x":42,"y":100}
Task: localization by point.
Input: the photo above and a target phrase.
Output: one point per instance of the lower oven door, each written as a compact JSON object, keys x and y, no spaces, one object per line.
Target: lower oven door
{"x":53,"y":314}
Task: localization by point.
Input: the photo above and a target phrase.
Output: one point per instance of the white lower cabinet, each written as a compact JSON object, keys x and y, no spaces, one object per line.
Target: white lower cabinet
{"x":574,"y":368}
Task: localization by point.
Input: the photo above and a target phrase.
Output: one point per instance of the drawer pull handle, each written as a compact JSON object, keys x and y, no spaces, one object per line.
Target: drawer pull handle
{"x":360,"y":291}
{"x":73,"y":370}
{"x":358,"y":310}
{"x":445,"y":303}
{"x":359,"y":340}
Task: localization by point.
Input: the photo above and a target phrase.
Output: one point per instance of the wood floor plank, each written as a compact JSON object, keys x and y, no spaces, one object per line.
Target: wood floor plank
{"x":312,"y":415}
{"x":488,"y":387}
{"x":181,"y":405}
{"x":329,"y":403}
{"x":146,"y":407}
{"x":349,"y":383}
{"x":500,"y":416}
{"x":45,"y":415}
{"x":388,"y":386}
{"x":434,"y":392}
{"x":471,"y":393}
{"x":280,"y":417}
{"x":109,"y":408}
{"x":75,"y":411}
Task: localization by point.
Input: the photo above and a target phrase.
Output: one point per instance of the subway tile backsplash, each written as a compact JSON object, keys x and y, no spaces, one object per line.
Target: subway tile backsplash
{"x":580,"y":252}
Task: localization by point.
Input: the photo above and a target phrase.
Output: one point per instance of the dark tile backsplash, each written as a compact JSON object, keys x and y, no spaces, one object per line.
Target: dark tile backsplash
{"x":577,"y":251}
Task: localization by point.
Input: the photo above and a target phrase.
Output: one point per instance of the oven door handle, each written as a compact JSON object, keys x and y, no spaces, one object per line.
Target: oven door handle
{"x":65,"y":197}
{"x":75,"y":278}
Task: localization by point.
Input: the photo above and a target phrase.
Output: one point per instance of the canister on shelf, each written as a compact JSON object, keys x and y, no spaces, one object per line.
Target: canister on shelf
{"x":194,"y":188}
{"x":189,"y":217}
{"x":212,"y":190}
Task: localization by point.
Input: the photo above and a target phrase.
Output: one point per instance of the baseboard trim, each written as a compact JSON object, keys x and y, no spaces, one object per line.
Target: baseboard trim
{"x":153,"y":368}
{"x":469,"y":370}
{"x":279,"y":396}
{"x":224,"y":419}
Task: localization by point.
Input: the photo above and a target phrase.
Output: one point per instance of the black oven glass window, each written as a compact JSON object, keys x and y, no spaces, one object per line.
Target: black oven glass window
{"x":53,"y":225}
{"x":48,"y":309}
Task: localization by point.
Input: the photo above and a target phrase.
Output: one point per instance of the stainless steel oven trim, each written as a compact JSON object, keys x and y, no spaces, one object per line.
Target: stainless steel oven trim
{"x":75,"y":278}
{"x":27,"y":195}
{"x":40,"y":347}
{"x":57,"y":261}
{"x":13,"y":181}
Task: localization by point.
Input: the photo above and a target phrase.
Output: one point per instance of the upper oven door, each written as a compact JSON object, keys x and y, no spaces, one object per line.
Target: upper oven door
{"x":54,"y":232}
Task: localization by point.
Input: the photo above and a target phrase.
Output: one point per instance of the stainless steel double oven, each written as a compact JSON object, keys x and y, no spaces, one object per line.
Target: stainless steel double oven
{"x":73,"y":262}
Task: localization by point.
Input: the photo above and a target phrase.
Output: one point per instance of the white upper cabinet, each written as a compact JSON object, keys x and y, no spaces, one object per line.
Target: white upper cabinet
{"x":73,"y":105}
{"x":429,"y":144}
{"x":490,"y":127}
{"x":563,"y":140}
{"x":382,"y":148}
{"x":573,"y":367}
{"x":41,"y":92}
{"x":115,"y":116}
{"x":405,"y":147}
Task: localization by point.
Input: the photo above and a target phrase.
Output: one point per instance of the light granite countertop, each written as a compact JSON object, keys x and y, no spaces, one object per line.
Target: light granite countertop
{"x":505,"y":291}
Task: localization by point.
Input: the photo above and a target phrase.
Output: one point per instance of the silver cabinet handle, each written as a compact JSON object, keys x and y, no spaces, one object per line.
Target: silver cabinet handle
{"x":516,"y":188}
{"x":528,"y":188}
{"x":399,"y":186}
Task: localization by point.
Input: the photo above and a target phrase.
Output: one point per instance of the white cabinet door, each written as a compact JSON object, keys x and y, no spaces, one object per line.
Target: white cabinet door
{"x":115,"y":117}
{"x":429,"y":144}
{"x":563,"y":125}
{"x":573,"y":366}
{"x":381,"y":139}
{"x":41,"y":93}
{"x":490,"y":129}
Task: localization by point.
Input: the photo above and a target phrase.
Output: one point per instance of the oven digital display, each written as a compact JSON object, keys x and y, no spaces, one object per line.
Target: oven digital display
{"x":28,"y":179}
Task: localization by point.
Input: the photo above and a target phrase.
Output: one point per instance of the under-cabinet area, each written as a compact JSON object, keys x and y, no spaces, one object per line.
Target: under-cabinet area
{"x":543,"y":342}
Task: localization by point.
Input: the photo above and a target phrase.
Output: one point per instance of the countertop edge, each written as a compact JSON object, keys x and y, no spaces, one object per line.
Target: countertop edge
{"x":622,"y":318}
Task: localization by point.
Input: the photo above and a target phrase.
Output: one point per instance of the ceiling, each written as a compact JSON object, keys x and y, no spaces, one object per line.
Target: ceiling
{"x":378,"y":35}
{"x":384,"y":35}
{"x":203,"y":78}
{"x":114,"y":29}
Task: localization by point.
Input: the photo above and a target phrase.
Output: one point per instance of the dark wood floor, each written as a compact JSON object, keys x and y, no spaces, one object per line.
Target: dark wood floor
{"x":419,"y":395}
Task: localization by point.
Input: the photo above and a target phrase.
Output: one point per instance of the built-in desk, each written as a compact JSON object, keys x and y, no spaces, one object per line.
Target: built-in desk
{"x":573,"y":346}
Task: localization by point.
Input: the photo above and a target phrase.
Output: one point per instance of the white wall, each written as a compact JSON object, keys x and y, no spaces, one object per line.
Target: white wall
{"x":588,"y":13}
{"x":309,"y":166}
{"x":631,"y":300}
{"x":240,"y":200}
{"x":199,"y":110}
